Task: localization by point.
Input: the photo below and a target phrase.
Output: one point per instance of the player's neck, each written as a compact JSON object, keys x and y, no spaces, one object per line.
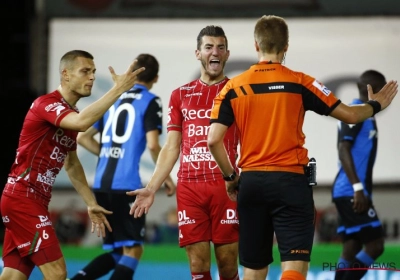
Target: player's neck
{"x":271,"y":58}
{"x":211,"y":80}
{"x":70,"y":99}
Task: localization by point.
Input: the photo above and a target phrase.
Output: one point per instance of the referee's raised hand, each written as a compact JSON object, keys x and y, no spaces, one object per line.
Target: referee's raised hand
{"x":385,"y":95}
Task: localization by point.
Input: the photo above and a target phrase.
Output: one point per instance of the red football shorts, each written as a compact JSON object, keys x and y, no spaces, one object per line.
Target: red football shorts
{"x":28,"y":230}
{"x":205,"y":213}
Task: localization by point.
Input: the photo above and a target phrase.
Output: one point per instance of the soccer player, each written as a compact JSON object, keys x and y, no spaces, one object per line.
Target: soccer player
{"x":205,"y":213}
{"x":267,"y":103}
{"x":47,"y":143}
{"x":359,"y":225}
{"x":133,"y":122}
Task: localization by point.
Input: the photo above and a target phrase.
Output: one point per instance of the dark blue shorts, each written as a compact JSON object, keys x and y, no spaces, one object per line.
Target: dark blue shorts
{"x":126,"y":230}
{"x":362,"y":226}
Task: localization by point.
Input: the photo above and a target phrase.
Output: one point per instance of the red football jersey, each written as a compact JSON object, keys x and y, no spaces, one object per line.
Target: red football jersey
{"x":43,"y":147}
{"x":189,"y":112}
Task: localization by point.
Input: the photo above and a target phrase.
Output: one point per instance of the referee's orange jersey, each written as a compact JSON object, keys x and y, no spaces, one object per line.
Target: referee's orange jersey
{"x":268,"y":104}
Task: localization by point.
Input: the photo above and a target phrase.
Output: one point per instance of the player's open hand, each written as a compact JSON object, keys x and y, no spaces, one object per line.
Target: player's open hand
{"x":99,"y":220}
{"x":385,"y":95}
{"x":125,"y":81}
{"x":144,"y":200}
{"x":232,"y":189}
{"x":170,"y":187}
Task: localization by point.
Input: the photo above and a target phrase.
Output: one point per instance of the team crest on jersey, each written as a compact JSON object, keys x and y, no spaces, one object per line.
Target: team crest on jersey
{"x":321,"y":87}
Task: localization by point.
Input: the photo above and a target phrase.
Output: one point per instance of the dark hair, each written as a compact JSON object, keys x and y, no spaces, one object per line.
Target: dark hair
{"x":70,"y":56}
{"x":272,"y":34}
{"x":213,"y":31}
{"x":150,"y":63}
{"x":376,"y":79}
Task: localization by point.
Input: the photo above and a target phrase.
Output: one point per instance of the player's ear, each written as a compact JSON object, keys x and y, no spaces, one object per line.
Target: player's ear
{"x":256,"y":46}
{"x":156,"y":79}
{"x":198,"y":54}
{"x":286,"y":48}
{"x":65,"y":75}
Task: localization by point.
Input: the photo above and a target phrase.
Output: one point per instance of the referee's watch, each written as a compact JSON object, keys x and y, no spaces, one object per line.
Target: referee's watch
{"x":230,"y":177}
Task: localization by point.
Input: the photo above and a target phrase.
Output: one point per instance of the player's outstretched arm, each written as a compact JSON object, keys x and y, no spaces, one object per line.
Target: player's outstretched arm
{"x":359,"y":113}
{"x":75,"y":172}
{"x":93,"y":112}
{"x":167,"y":158}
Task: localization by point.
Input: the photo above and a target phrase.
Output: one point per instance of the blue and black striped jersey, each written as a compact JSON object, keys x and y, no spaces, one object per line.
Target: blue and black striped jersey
{"x":123,"y":131}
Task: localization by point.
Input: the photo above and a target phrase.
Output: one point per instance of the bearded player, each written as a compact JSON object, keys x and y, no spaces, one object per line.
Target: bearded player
{"x":205,"y":212}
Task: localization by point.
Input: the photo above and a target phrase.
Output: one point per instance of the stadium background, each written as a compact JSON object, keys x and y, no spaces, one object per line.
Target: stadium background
{"x":331,"y":40}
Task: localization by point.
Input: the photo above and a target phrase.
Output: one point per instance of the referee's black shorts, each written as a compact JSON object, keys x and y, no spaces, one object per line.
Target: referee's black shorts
{"x":280,"y":202}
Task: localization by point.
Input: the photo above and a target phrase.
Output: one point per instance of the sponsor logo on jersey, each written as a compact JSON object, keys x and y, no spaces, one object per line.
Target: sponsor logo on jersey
{"x":199,"y":153}
{"x":112,"y":152}
{"x":55,"y":107}
{"x":265,"y":70}
{"x":196,"y":114}
{"x":276,"y":87}
{"x":183,"y":219}
{"x":193,"y":94}
{"x":231,"y":217}
{"x":187,"y":88}
{"x":300,"y":251}
{"x":321,"y":87}
{"x":44,"y":221}
{"x":131,"y":95}
{"x":63,"y":139}
{"x":6,"y":219}
{"x":24,"y":245}
{"x":48,"y":178}
{"x":169,"y":113}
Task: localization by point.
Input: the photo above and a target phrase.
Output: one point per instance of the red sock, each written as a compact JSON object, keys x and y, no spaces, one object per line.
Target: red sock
{"x":201,"y":275}
{"x":236,"y":277}
{"x":292,"y":275}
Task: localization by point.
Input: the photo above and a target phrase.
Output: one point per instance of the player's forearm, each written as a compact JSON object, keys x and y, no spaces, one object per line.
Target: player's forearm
{"x":86,"y":193}
{"x":77,"y":177}
{"x":348,"y":166}
{"x":352,"y":114}
{"x":90,"y":114}
{"x":154,"y":152}
{"x":220,"y":155}
{"x":165,"y":163}
{"x":91,"y":145}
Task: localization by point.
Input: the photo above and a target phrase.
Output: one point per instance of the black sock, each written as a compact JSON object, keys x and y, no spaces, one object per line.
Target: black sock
{"x":98,"y":267}
{"x":339,"y":274}
{"x":122,"y":272}
{"x":356,"y":274}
